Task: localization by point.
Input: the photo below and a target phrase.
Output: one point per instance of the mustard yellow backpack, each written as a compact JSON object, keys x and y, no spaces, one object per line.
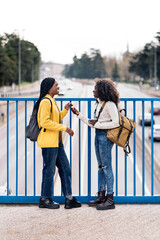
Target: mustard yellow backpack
{"x":121,"y":135}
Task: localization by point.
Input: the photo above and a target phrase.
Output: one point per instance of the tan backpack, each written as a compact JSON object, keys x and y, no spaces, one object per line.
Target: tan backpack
{"x":121,"y":134}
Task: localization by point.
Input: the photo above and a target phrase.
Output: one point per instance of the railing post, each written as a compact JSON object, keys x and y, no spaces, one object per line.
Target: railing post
{"x":25,"y":149}
{"x":79,"y":151}
{"x":7,"y":148}
{"x":134,"y":143}
{"x":89,"y":150}
{"x":152,"y":152}
{"x":16,"y":148}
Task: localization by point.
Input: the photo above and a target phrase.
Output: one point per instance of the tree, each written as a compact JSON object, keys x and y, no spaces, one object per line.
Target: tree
{"x":9,"y":59}
{"x":98,"y":65}
{"x":89,"y":66}
{"x":2,"y":65}
{"x":115,"y":73}
{"x":109,"y":64}
{"x":143,"y":62}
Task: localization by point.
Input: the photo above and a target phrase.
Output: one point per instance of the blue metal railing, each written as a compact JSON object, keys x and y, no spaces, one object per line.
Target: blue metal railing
{"x":131,"y":105}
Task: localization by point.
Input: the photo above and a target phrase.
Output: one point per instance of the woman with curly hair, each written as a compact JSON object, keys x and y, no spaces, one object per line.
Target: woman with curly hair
{"x":105,"y":117}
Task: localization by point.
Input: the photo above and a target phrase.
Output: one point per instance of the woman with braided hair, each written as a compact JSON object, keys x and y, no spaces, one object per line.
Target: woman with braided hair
{"x":50,"y":140}
{"x":105,"y":117}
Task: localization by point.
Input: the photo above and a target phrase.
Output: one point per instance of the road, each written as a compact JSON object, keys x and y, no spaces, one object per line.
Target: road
{"x":78,"y":90}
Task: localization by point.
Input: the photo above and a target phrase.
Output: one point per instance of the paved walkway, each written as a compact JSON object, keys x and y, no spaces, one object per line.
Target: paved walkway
{"x":126,"y":222}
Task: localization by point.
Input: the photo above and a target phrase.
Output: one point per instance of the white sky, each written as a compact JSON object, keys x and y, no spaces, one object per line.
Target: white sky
{"x":62,"y":28}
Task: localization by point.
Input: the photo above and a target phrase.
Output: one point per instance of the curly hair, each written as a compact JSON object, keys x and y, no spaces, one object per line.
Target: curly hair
{"x":107,"y":90}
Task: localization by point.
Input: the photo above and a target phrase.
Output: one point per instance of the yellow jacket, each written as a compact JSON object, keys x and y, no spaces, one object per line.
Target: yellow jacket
{"x":50,"y":121}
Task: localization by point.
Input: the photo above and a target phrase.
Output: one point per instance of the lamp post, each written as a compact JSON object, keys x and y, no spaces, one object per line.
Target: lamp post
{"x":155,"y":64}
{"x":19,"y":59}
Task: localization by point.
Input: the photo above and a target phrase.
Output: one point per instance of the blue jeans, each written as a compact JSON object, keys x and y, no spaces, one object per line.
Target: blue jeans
{"x":103,"y":148}
{"x":53,"y":157}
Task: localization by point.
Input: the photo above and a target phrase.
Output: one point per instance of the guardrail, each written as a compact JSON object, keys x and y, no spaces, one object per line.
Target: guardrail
{"x":137,"y":177}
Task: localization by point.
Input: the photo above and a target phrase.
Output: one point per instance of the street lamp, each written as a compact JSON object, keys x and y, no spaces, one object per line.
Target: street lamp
{"x":155,"y":64}
{"x":19,"y":61}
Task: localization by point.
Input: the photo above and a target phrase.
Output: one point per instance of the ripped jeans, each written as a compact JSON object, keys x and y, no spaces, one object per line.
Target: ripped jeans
{"x":103,"y":148}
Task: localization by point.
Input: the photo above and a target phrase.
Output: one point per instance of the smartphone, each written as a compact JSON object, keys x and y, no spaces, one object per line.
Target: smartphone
{"x":72,"y":109}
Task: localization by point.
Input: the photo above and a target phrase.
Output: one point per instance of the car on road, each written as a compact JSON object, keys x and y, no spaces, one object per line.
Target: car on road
{"x":156,"y":132}
{"x":156,"y":110}
{"x":69,"y":87}
{"x":147,"y":119}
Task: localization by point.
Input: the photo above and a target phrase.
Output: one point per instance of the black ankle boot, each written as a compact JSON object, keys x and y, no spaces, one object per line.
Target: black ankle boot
{"x":98,"y":200}
{"x":107,"y":204}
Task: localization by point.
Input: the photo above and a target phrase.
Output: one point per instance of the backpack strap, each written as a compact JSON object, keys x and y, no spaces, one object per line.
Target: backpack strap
{"x":101,"y":109}
{"x":120,"y":131}
{"x":130,"y":130}
{"x":123,"y":109}
{"x":51,"y":107}
{"x":49,"y":100}
{"x":127,"y":144}
{"x":129,"y":149}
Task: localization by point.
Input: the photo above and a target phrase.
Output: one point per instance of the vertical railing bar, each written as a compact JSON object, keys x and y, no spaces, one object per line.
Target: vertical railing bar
{"x":116,"y":170}
{"x":70,"y":115}
{"x":134,"y":142}
{"x":152,"y":151}
{"x":7,"y":148}
{"x":89,"y":150}
{"x":25,"y":150}
{"x":16,"y":148}
{"x":125,"y":162}
{"x":143,"y":149}
{"x":71,"y":171}
{"x":79,"y":151}
{"x":34,"y":166}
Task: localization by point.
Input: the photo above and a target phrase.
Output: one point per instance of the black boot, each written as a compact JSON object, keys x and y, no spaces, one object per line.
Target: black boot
{"x":73,"y":203}
{"x":98,"y":200}
{"x":47,"y":202}
{"x":107,"y":204}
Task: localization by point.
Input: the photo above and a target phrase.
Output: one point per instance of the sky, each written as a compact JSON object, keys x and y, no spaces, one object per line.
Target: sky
{"x":61,"y":29}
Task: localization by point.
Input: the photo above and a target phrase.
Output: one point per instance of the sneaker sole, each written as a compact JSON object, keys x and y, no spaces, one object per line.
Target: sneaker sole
{"x":105,"y":208}
{"x":55,"y":207}
{"x":67,"y":207}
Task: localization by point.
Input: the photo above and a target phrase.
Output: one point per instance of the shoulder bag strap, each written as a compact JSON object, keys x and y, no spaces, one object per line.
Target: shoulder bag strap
{"x":101,"y":109}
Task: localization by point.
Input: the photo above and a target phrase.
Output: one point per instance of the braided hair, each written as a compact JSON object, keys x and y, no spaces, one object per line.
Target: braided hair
{"x":107,"y":90}
{"x":46,"y":85}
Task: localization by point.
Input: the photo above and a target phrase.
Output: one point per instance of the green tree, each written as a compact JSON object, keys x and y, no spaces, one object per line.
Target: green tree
{"x":143,"y":62}
{"x":98,"y":65}
{"x":89,"y":66}
{"x":115,"y":72}
{"x":2,"y":65}
{"x":9,"y":59}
